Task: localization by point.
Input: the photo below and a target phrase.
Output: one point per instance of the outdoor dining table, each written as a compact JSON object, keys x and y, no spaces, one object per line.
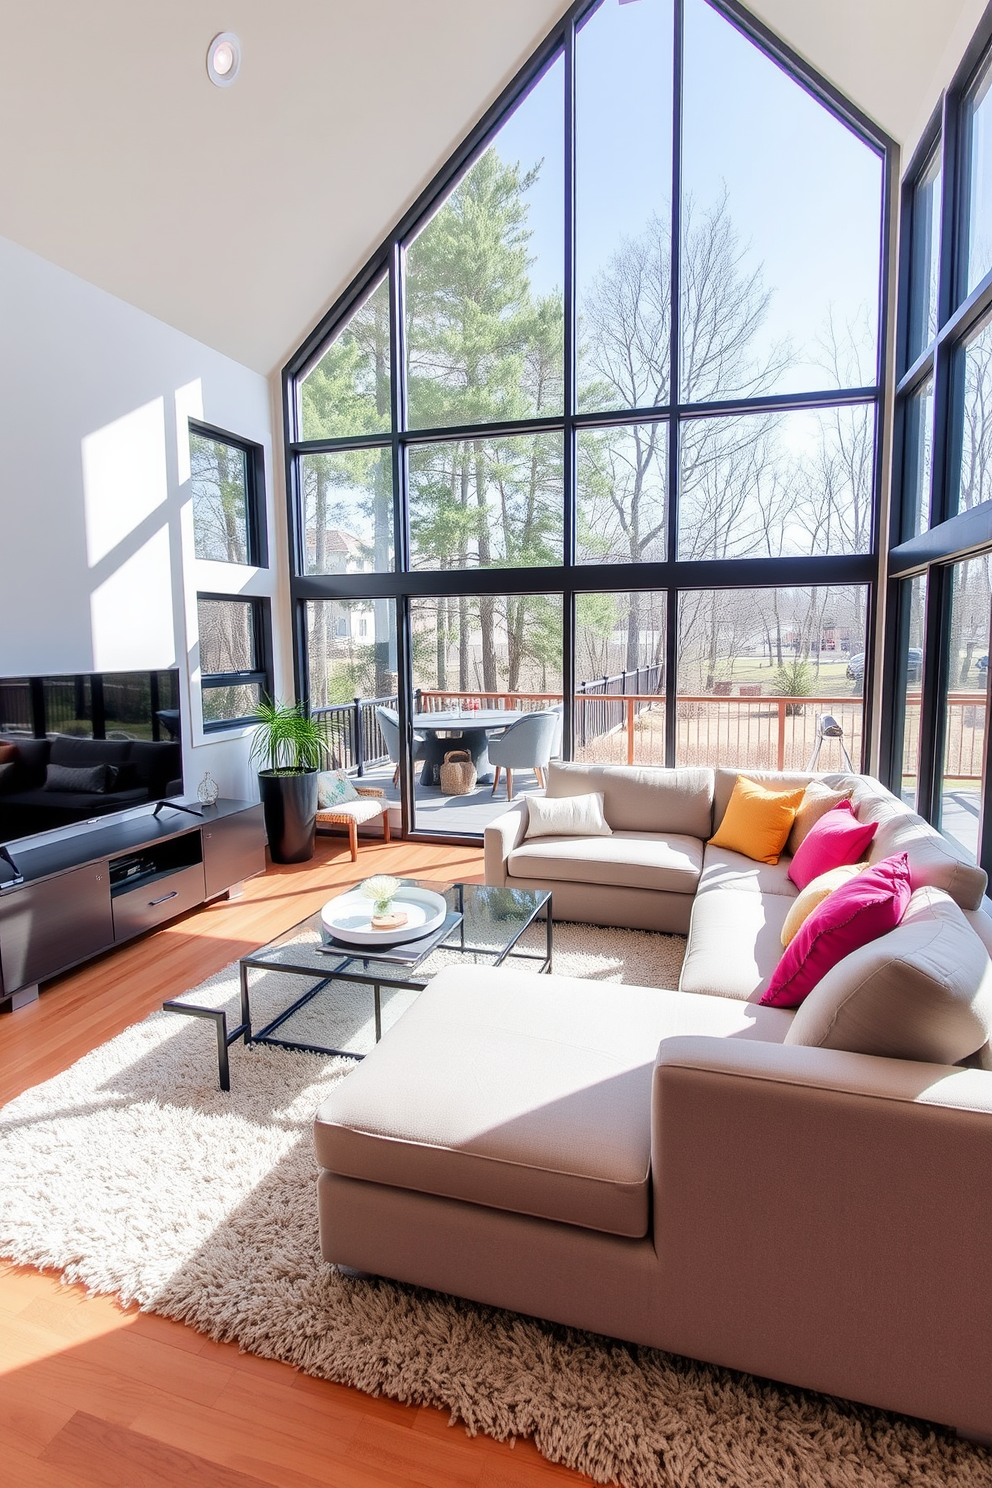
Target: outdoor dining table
{"x":468,"y":731}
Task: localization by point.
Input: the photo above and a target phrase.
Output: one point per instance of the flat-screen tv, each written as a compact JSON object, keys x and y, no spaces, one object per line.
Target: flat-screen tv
{"x":84,"y":745}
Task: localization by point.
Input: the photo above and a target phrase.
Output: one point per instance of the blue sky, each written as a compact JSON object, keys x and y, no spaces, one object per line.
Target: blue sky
{"x":803,"y":191}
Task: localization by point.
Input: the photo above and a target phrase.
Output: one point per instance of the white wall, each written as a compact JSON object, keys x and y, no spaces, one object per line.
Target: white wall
{"x":97,"y":571}
{"x":945,"y":65}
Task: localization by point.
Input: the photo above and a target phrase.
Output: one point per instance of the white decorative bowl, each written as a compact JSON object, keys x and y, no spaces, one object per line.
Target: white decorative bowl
{"x":349,"y":917}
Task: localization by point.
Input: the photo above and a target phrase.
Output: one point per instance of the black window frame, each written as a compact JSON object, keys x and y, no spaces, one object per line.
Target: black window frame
{"x":571,"y":578}
{"x":953,"y":536}
{"x":256,"y":530}
{"x":261,"y":673}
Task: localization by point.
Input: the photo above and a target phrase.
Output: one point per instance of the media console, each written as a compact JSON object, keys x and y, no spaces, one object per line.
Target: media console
{"x":86,"y":888}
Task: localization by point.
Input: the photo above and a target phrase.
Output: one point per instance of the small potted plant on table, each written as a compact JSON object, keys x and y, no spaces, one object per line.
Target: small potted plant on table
{"x":289,"y":746}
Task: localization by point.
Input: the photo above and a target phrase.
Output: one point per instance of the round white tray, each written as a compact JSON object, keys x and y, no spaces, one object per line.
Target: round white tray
{"x":349,"y":917}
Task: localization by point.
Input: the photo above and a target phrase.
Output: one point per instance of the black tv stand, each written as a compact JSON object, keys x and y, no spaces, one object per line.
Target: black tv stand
{"x":86,"y":888}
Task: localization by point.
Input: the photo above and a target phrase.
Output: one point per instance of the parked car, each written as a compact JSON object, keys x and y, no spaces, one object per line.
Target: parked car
{"x":983,"y":663}
{"x":914,"y":669}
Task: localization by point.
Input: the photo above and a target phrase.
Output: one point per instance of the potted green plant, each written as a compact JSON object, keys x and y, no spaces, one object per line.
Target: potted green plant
{"x":289,"y":748}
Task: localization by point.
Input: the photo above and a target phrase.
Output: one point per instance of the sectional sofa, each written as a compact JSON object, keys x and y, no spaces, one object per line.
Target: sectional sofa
{"x":802,"y":1195}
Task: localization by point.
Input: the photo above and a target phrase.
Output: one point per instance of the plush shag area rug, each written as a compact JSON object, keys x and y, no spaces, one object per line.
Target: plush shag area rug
{"x":133,"y":1174}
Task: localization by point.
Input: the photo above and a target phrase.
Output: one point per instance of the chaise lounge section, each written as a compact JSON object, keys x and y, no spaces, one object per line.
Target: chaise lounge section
{"x":802,"y":1195}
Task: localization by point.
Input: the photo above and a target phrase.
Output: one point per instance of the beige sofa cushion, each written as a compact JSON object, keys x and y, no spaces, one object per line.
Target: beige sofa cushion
{"x":924,"y":991}
{"x":735,"y":943}
{"x":934,"y":861}
{"x":572,"y":816}
{"x":522,"y":1093}
{"x":642,"y":798}
{"x":632,"y":860}
{"x":725,"y":869}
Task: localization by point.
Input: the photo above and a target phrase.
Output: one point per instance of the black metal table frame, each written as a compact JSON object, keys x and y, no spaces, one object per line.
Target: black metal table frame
{"x":342,"y":972}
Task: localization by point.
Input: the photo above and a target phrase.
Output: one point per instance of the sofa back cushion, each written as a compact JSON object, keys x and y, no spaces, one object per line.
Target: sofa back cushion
{"x":642,"y":798}
{"x":82,"y":754}
{"x":924,"y":991}
{"x":934,"y":861}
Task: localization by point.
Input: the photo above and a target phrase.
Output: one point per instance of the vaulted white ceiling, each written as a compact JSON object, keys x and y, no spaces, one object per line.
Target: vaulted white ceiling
{"x":238,"y":214}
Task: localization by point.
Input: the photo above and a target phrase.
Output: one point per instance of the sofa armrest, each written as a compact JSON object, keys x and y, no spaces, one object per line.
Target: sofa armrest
{"x":823,"y":1217}
{"x":501,"y":837}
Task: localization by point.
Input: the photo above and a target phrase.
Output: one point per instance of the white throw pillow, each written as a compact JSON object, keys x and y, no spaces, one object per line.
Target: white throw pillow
{"x":567,"y":816}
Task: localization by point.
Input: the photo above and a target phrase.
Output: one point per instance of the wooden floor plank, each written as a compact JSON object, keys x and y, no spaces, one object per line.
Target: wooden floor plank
{"x":113,"y":1457}
{"x":84,"y":1381}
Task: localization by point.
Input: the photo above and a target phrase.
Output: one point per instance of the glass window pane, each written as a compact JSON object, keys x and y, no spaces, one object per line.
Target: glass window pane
{"x":219,"y":486}
{"x":619,"y":704}
{"x":347,"y":391}
{"x":915,"y":597}
{"x":227,"y":635}
{"x":486,"y":503}
{"x":777,"y":485}
{"x":978,"y":133}
{"x":623,"y":70}
{"x":227,"y":704}
{"x":348,"y":511}
{"x":759,"y":669}
{"x":918,"y":458}
{"x":622,"y":494}
{"x":781,"y":227}
{"x":351,"y":644}
{"x":975,"y":482}
{"x":484,"y":277}
{"x":924,"y":257}
{"x":965,"y":704}
{"x":477,"y":663}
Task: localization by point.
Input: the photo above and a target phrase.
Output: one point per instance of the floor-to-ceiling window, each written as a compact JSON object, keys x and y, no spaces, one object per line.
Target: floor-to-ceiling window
{"x":938,"y":635}
{"x":596,"y":428}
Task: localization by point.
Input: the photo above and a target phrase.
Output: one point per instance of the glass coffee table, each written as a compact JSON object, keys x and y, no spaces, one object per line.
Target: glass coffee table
{"x":483,"y":923}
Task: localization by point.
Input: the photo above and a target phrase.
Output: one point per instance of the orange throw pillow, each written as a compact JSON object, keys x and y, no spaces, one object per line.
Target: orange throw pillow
{"x":757,"y":822}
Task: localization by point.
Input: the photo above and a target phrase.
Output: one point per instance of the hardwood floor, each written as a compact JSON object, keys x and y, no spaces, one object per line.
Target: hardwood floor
{"x":96,"y":1396}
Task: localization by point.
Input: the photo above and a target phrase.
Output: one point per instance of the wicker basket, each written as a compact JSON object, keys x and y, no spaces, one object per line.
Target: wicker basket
{"x":458,"y":775}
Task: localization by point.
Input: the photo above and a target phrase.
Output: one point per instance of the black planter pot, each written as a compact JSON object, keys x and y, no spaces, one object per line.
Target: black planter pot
{"x":289,"y":803}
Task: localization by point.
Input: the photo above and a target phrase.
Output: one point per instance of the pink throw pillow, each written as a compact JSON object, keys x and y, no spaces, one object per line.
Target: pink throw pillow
{"x":860,"y":911}
{"x":837,"y":839}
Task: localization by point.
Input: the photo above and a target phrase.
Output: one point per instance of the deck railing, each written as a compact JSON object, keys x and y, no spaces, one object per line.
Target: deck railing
{"x":749,"y":732}
{"x":354,"y":738}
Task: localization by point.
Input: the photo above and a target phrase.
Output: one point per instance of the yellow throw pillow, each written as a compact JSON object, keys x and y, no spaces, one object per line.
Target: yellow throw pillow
{"x":817,"y":800}
{"x":813,"y":895}
{"x":757,"y":821}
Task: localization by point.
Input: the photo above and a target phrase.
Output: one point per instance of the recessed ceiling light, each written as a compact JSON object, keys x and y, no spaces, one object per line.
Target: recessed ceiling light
{"x":224,"y":59}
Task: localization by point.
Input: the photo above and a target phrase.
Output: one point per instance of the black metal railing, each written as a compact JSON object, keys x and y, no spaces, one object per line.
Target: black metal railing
{"x":354,"y":737}
{"x":596,"y":719}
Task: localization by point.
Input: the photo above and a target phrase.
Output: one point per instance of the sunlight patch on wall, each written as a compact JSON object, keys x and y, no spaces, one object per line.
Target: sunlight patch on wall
{"x":131,"y":611}
{"x":189,"y":405}
{"x":124,"y":478}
